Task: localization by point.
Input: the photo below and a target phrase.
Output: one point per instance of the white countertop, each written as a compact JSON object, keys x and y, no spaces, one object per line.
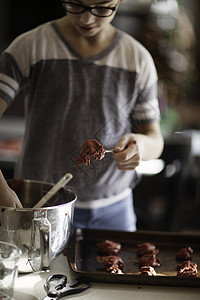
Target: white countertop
{"x":31,"y":287}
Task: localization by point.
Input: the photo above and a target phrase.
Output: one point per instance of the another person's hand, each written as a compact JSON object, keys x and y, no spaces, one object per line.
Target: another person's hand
{"x":127,"y":152}
{"x":8,"y":197}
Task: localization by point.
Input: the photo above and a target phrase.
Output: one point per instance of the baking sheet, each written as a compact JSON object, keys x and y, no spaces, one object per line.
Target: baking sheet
{"x":82,"y":256}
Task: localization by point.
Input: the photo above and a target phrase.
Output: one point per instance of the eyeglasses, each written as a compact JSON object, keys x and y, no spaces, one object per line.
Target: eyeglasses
{"x":98,"y":11}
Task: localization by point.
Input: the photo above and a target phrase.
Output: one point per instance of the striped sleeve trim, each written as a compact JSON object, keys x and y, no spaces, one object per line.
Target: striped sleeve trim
{"x":7,"y":90}
{"x":8,"y":85}
{"x":10,"y":81}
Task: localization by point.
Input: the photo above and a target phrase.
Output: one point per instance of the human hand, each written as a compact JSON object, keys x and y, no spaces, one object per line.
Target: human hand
{"x":8,"y":197}
{"x":127,"y":152}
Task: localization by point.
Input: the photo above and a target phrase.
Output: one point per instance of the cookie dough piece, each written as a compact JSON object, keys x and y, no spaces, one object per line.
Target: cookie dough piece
{"x":184,"y":253}
{"x":108,"y":247}
{"x":187,"y":264}
{"x":146,"y":248}
{"x":187,"y":272}
{"x":147,"y":270}
{"x":149,"y":260}
{"x":90,"y":148}
{"x":113,"y":264}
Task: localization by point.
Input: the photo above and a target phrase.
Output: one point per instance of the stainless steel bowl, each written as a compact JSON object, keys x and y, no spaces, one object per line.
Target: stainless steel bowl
{"x":41,"y":234}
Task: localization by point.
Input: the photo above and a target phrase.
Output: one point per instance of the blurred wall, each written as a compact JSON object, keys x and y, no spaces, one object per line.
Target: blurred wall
{"x":193,"y":8}
{"x":4,"y":23}
{"x":18,"y":16}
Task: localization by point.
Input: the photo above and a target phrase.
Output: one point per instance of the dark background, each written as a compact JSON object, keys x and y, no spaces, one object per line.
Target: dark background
{"x":20,"y":16}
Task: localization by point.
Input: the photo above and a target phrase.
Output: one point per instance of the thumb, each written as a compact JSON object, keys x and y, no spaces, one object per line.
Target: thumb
{"x":122,"y":144}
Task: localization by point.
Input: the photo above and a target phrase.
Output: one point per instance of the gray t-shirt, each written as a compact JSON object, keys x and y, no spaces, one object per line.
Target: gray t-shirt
{"x":69,"y":99}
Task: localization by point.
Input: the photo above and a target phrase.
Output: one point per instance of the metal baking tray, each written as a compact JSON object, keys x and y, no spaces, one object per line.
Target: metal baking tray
{"x":82,"y":256}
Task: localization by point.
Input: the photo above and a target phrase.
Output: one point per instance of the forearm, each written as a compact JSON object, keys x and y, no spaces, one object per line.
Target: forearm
{"x":150,"y":145}
{"x":3,"y":106}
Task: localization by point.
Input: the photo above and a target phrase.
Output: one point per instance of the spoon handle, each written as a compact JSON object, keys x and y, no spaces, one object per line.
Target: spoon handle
{"x":109,"y":150}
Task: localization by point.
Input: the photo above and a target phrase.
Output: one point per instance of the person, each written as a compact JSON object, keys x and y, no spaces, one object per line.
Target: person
{"x":84,"y":79}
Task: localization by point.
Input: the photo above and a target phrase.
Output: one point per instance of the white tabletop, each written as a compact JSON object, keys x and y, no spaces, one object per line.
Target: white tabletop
{"x":31,"y":287}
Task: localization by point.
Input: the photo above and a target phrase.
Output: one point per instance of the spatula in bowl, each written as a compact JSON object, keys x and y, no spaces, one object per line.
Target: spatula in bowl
{"x":60,"y":184}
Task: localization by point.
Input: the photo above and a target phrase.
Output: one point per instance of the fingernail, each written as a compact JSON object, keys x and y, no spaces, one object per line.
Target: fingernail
{"x":117,"y":149}
{"x":131,"y":143}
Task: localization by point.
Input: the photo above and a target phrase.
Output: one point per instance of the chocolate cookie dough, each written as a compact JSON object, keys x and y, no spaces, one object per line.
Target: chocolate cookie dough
{"x":187,"y":272}
{"x":149,"y":260}
{"x":187,"y":269}
{"x":184,"y":253}
{"x":147,"y":270}
{"x":146,"y":248}
{"x":108,"y":248}
{"x":88,"y":149}
{"x":187,"y":264}
{"x":113,"y":264}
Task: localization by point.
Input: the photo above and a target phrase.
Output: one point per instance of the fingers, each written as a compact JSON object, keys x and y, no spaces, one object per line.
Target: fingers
{"x":18,"y":204}
{"x":126,"y":153}
{"x":8,"y":197}
{"x":15,"y":200}
{"x":124,"y":142}
{"x":129,"y":164}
